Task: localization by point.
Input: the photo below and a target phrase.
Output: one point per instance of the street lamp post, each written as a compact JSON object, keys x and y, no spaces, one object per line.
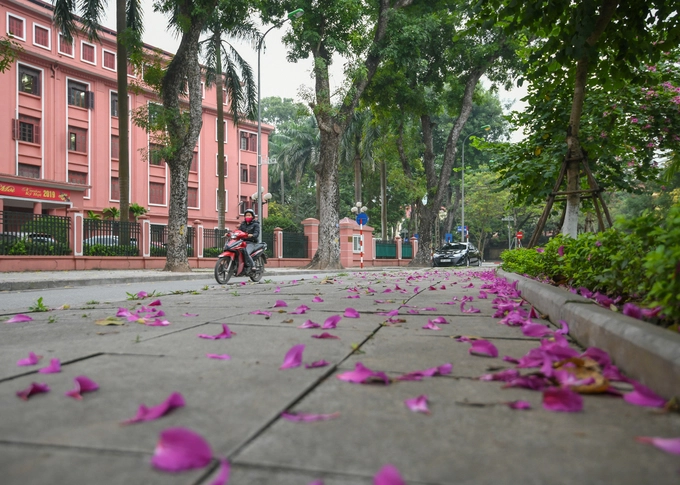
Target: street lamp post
{"x":359,"y":209}
{"x":462,"y":183}
{"x":292,"y":15}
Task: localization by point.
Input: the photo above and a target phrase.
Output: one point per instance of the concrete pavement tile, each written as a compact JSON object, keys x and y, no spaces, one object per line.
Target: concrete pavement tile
{"x":484,"y":327}
{"x":31,"y":465}
{"x":258,"y":475}
{"x":469,"y":445}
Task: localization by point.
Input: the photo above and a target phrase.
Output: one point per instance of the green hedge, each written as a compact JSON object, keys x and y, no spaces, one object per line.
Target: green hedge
{"x":101,"y":250}
{"x":638,"y":260}
{"x":28,"y":248}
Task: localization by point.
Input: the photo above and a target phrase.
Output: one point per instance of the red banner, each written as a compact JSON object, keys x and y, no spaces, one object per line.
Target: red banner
{"x":34,"y":192}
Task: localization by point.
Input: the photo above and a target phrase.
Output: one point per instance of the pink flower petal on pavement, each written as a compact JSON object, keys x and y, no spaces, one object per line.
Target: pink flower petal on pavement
{"x":19,"y":318}
{"x":519,"y":405}
{"x":471,"y":310}
{"x":317,"y":363}
{"x":309,"y":324}
{"x":506,"y":375}
{"x":418,"y":404}
{"x":565,"y":328}
{"x":142,"y":294}
{"x":53,"y":368}
{"x":280,"y":304}
{"x":155,"y":303}
{"x":391,"y":313}
{"x":181,"y":449}
{"x":32,"y":359}
{"x":441,"y":320}
{"x":354,"y":297}
{"x":331,"y":322}
{"x":157,"y":323}
{"x":482,"y":295}
{"x":300,"y":310}
{"x":562,"y":400}
{"x":83,"y":384}
{"x":388,"y":475}
{"x":261,"y":312}
{"x":431,"y":326}
{"x":536,"y":330}
{"x":362,"y":374}
{"x":308,"y":418}
{"x":512,"y":360}
{"x":226,"y":333}
{"x":317,"y":299}
{"x":351,"y":313}
{"x":218,"y":356}
{"x":124,"y":312}
{"x":420,"y":374}
{"x":277,"y":290}
{"x":174,"y":401}
{"x":644,"y":396}
{"x":223,"y":477}
{"x":669,"y":445}
{"x":293,"y":357}
{"x":33,"y":389}
{"x":190,"y":314}
{"x":483,"y":348}
{"x":326,"y":335}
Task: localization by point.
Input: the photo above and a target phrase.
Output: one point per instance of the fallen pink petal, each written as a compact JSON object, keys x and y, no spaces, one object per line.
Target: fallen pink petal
{"x":309,"y":324}
{"x":331,"y":322}
{"x":418,"y":404}
{"x":536,"y":330}
{"x":83,"y":384}
{"x":524,"y":405}
{"x":155,"y":303}
{"x":441,"y":320}
{"x":19,"y":318}
{"x":388,"y":475}
{"x":261,"y":312}
{"x":472,"y":310}
{"x":644,"y":396}
{"x":190,"y":314}
{"x":300,"y":310}
{"x":564,"y":330}
{"x":317,"y":363}
{"x":431,"y":326}
{"x":157,"y":323}
{"x":32,"y":390}
{"x":32,"y":359}
{"x":483,"y":348}
{"x":669,"y":445}
{"x":362,"y":374}
{"x":142,"y":294}
{"x":53,"y":368}
{"x":218,"y":356}
{"x":277,"y":290}
{"x":512,"y":360}
{"x":562,"y":400}
{"x":181,"y":449}
{"x":226,"y":333}
{"x":326,"y":335}
{"x":223,"y":477}
{"x":317,"y":299}
{"x":293,"y":357}
{"x":308,"y":418}
{"x":174,"y":401}
{"x":280,"y":304}
{"x":351,"y":313}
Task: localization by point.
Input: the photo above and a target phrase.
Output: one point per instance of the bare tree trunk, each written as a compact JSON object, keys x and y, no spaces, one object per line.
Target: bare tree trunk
{"x":221,"y":195}
{"x":123,"y":114}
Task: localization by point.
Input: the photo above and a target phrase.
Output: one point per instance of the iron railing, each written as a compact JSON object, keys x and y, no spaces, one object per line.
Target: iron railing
{"x":213,"y":242}
{"x":407,"y":250}
{"x":294,"y":245}
{"x":23,"y":233}
{"x":159,"y":240}
{"x":268,"y":237}
{"x":385,"y":250}
{"x":110,"y":238}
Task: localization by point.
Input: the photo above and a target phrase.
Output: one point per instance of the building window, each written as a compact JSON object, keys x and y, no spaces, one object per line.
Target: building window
{"x":154,"y":112}
{"x":155,"y":154}
{"x":77,"y":140}
{"x":41,"y":36}
{"x":88,"y":52}
{"x":109,"y":60}
{"x":65,"y":47}
{"x":114,"y":104}
{"x":115,"y":188}
{"x":356,"y":243}
{"x":244,"y":205}
{"x":244,"y":140}
{"x":78,"y":95}
{"x":77,"y":177}
{"x":244,"y":173}
{"x":192,"y":197}
{"x":27,"y":129}
{"x":217,"y":165}
{"x":194,"y":163}
{"x":253,"y":174}
{"x":15,"y":27}
{"x":156,"y":193}
{"x":31,"y":171}
{"x":29,"y":80}
{"x":115,"y":147}
{"x":131,"y":70}
{"x":248,"y":141}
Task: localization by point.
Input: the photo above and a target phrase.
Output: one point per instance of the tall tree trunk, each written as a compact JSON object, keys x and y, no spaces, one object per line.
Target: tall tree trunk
{"x":383,"y":199}
{"x":183,"y":69}
{"x":221,"y":196}
{"x":123,"y":112}
{"x":357,"y":179}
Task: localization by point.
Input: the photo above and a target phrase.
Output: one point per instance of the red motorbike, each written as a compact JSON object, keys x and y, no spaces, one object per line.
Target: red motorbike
{"x":232,"y":263}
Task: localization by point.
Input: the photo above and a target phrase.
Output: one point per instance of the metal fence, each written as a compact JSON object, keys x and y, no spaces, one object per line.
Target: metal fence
{"x":407,"y":250}
{"x":385,"y":250}
{"x":268,"y":237}
{"x":159,"y":240}
{"x":110,"y":238}
{"x":23,"y":233}
{"x":294,"y":245}
{"x":213,"y":242}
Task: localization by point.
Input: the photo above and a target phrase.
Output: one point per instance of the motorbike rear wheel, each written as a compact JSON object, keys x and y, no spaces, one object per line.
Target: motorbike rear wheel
{"x":258,"y":270}
{"x":224,"y":270}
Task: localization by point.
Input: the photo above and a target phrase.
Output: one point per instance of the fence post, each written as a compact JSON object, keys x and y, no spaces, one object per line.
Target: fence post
{"x":311,"y":230}
{"x":198,"y":238}
{"x":277,"y":250}
{"x":414,"y":247}
{"x":77,"y":231}
{"x":399,"y":247}
{"x":2,"y":208}
{"x":145,"y":235}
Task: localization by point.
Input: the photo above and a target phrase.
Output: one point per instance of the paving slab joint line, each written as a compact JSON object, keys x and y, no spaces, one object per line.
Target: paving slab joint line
{"x":73,"y":361}
{"x":86,"y":449}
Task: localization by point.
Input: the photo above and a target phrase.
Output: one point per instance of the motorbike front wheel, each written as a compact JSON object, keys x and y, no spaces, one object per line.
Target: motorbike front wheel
{"x":258,"y":270}
{"x":224,"y":270}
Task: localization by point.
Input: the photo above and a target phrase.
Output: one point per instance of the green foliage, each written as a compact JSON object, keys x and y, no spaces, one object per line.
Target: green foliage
{"x":211,"y":252}
{"x":137,"y":210}
{"x":102,"y":250}
{"x":55,"y":226}
{"x":93,"y":215}
{"x":39,"y":306}
{"x":111,"y":212}
{"x":280,"y":216}
{"x":522,"y":261}
{"x":9,"y":51}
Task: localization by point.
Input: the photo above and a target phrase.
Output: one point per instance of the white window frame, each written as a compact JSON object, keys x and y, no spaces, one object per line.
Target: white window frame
{"x":226,"y":130}
{"x":226,"y":201}
{"x":198,"y":199}
{"x":49,"y":36}
{"x":202,"y":90}
{"x":23,"y":37}
{"x":225,"y":96}
{"x":73,"y":47}
{"x":226,"y":165}
{"x":82,"y":43}
{"x":115,"y":59}
{"x":165,"y":194}
{"x":356,"y":246}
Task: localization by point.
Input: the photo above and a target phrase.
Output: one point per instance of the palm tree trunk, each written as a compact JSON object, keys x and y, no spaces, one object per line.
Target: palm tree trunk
{"x":123,"y":112}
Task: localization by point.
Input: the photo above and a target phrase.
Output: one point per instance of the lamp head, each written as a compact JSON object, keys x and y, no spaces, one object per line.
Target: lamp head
{"x":296,"y":14}
{"x":354,"y":210}
{"x":266,"y":197}
{"x":254,"y":196}
{"x":364,"y":209}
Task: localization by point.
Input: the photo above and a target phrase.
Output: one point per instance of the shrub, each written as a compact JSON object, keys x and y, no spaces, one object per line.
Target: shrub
{"x":522,"y":261}
{"x":102,"y":250}
{"x":211,"y":252}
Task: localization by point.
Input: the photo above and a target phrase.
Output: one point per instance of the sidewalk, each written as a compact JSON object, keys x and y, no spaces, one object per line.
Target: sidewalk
{"x":471,"y":435}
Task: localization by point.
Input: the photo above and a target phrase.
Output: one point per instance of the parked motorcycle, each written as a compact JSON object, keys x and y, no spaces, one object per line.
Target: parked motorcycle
{"x":232,"y":263}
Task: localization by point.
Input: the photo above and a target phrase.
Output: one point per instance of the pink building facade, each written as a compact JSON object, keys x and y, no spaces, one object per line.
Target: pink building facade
{"x":59,"y":132}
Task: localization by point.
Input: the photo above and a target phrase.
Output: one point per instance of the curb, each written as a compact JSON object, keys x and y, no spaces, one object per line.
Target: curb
{"x":645,"y":352}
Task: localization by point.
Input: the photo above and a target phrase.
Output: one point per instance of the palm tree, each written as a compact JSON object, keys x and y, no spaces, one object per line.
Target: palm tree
{"x":237,"y":76}
{"x":356,"y":145}
{"x":129,"y":30}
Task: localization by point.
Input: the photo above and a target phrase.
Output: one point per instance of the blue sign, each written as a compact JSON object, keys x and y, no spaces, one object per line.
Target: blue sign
{"x":362,"y":218}
{"x":460,"y":229}
{"x":448,"y":237}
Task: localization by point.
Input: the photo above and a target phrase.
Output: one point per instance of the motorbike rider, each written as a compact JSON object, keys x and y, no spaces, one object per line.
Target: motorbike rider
{"x":252,"y":228}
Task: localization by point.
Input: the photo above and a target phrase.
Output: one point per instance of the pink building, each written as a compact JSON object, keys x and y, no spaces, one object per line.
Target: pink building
{"x":59,"y":132}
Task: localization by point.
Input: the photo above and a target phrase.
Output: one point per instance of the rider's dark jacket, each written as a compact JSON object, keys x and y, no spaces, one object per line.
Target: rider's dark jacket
{"x":252,"y":228}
